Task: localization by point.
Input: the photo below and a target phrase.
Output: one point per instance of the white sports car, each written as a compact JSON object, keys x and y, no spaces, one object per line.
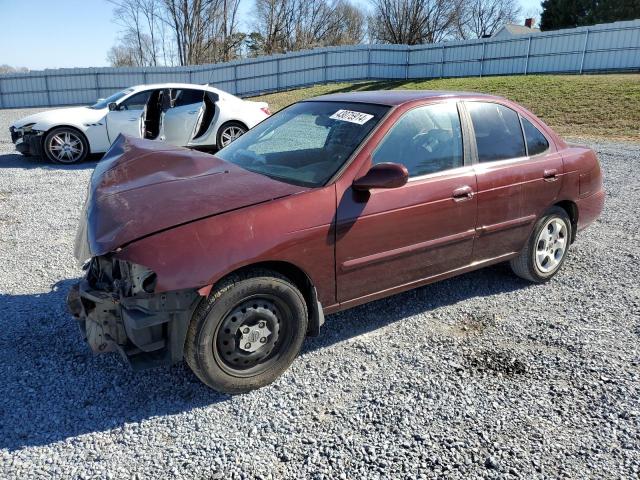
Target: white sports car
{"x":180,"y":114}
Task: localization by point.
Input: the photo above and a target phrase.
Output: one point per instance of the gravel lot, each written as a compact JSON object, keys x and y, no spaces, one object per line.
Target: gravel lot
{"x":479,"y":376}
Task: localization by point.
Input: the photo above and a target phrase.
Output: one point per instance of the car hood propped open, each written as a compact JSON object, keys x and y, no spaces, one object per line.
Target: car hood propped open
{"x":142,"y":187}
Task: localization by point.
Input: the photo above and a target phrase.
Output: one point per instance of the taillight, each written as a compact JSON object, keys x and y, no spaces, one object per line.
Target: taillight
{"x":266,"y":110}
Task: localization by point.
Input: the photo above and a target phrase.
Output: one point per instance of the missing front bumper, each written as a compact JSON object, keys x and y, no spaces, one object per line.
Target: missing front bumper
{"x":146,"y":329}
{"x":29,"y":144}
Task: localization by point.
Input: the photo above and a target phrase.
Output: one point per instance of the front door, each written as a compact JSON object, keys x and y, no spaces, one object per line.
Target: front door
{"x":512,"y":188}
{"x":128,"y":117}
{"x":179,"y":121}
{"x":400,"y":236}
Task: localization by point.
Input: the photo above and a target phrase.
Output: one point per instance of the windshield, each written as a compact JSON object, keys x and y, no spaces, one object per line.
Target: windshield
{"x":113,"y":98}
{"x":305,"y":144}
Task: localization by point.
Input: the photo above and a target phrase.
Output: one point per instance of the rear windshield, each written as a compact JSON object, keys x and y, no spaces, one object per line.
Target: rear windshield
{"x":307,"y":143}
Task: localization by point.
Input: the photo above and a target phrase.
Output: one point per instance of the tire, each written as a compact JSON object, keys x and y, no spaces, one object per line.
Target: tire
{"x":65,"y":145}
{"x":546,"y":249}
{"x":247,"y":332}
{"x":228,"y":132}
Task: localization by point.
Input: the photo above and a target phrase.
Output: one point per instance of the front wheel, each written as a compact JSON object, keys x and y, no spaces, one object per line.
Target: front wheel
{"x":229,"y":132}
{"x":546,"y":249}
{"x":247,"y":333}
{"x":66,"y":145}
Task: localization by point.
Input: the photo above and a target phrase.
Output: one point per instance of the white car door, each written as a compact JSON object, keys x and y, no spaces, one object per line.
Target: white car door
{"x":128,"y":116}
{"x":179,"y":121}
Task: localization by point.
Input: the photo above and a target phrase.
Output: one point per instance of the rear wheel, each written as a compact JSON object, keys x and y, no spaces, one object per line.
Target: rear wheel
{"x":546,"y":249}
{"x":229,"y":132}
{"x":66,"y":145}
{"x":247,"y":333}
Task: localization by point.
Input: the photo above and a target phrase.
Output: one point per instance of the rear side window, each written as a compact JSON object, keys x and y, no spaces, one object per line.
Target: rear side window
{"x":187,"y":97}
{"x":536,"y":141}
{"x":498,"y":131}
{"x":137,"y":101}
{"x":425,"y":140}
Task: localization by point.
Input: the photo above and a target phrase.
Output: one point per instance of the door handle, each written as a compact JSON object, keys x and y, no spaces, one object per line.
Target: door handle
{"x":550,"y":175}
{"x":463,"y":193}
{"x":133,"y":119}
{"x":193,"y":112}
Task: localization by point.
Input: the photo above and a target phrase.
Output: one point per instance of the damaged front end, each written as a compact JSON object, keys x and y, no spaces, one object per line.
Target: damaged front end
{"x":117,"y":309}
{"x":27,"y":140}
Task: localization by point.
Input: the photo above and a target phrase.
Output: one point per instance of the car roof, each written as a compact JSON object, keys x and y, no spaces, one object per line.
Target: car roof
{"x":180,"y":85}
{"x":397,"y":97}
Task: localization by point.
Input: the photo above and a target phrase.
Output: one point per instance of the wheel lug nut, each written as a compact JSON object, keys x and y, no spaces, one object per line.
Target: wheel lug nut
{"x":262,"y":325}
{"x":247,"y":346}
{"x":245,"y":330}
{"x":263,"y":340}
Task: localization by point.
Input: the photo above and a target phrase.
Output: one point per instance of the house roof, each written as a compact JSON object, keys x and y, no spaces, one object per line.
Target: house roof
{"x":513,"y":29}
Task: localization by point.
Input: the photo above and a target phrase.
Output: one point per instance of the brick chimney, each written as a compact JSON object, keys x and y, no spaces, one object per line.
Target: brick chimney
{"x":529,"y":22}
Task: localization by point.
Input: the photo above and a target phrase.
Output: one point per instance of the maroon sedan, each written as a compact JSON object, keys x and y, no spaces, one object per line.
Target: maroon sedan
{"x":230,"y":260}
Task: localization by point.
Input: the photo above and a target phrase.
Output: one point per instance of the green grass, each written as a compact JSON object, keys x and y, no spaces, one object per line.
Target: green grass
{"x":604,"y":106}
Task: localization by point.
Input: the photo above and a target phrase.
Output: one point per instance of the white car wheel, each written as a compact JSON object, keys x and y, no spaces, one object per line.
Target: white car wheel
{"x":230,"y":132}
{"x":66,"y":145}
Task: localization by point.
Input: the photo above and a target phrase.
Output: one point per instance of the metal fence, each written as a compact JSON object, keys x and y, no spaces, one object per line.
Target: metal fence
{"x":606,"y":47}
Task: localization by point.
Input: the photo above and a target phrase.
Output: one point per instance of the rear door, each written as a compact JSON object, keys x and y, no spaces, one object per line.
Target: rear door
{"x":513,"y":187}
{"x":180,"y":120}
{"x":128,"y":118}
{"x":395,"y":237}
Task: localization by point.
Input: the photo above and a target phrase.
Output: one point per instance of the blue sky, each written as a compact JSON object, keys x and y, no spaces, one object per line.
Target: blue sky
{"x":75,"y":33}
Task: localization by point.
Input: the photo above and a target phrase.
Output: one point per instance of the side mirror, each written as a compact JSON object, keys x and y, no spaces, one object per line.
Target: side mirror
{"x":382,"y":175}
{"x":113,"y":106}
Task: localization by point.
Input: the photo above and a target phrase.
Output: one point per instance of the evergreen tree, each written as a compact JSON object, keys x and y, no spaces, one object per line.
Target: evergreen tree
{"x":576,"y":13}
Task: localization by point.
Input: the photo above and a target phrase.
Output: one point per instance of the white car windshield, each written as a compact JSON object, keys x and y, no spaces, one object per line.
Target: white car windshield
{"x":306,"y":143}
{"x":113,"y":98}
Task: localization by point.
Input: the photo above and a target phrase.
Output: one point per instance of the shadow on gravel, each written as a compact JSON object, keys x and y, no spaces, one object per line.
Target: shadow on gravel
{"x":53,"y":387}
{"x":16,"y":160}
{"x":372,"y":316}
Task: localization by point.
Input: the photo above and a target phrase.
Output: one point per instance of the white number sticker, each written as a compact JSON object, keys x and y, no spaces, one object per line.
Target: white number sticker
{"x":351,"y":116}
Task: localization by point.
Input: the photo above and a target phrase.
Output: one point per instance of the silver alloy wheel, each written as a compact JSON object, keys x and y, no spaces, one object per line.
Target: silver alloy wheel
{"x":230,"y":133}
{"x":551,"y":245}
{"x":66,"y":147}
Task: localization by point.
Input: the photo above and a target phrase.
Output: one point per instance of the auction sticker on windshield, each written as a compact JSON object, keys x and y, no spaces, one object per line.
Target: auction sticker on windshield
{"x":351,"y":116}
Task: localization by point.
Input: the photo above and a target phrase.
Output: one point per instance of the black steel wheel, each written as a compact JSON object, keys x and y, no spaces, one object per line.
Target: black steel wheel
{"x":253,"y":335}
{"x":247,"y":333}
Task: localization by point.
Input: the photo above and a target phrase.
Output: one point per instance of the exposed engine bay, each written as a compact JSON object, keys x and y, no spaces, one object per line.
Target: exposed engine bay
{"x":118,"y":311}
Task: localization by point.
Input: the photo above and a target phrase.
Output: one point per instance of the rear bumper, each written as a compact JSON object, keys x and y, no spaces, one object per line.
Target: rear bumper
{"x":148,"y":330}
{"x":590,"y":208}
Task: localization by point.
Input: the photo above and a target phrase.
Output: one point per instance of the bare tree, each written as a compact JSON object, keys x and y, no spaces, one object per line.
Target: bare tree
{"x":284,"y":25}
{"x":274,"y":24}
{"x":128,"y":15}
{"x":352,"y":28}
{"x":483,"y":18}
{"x":4,"y":68}
{"x":121,"y":56}
{"x":179,"y":32}
{"x":413,"y":22}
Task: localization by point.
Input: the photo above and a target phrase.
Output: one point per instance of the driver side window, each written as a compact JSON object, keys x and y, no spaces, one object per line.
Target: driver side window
{"x":136,"y":102}
{"x":425,"y":140}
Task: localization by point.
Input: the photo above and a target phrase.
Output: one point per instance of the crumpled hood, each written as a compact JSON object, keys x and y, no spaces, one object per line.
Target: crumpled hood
{"x":71,"y":115}
{"x":141,"y":187}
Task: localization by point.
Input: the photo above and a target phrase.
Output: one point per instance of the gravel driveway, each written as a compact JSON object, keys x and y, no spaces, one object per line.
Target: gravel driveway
{"x":483,"y":375}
